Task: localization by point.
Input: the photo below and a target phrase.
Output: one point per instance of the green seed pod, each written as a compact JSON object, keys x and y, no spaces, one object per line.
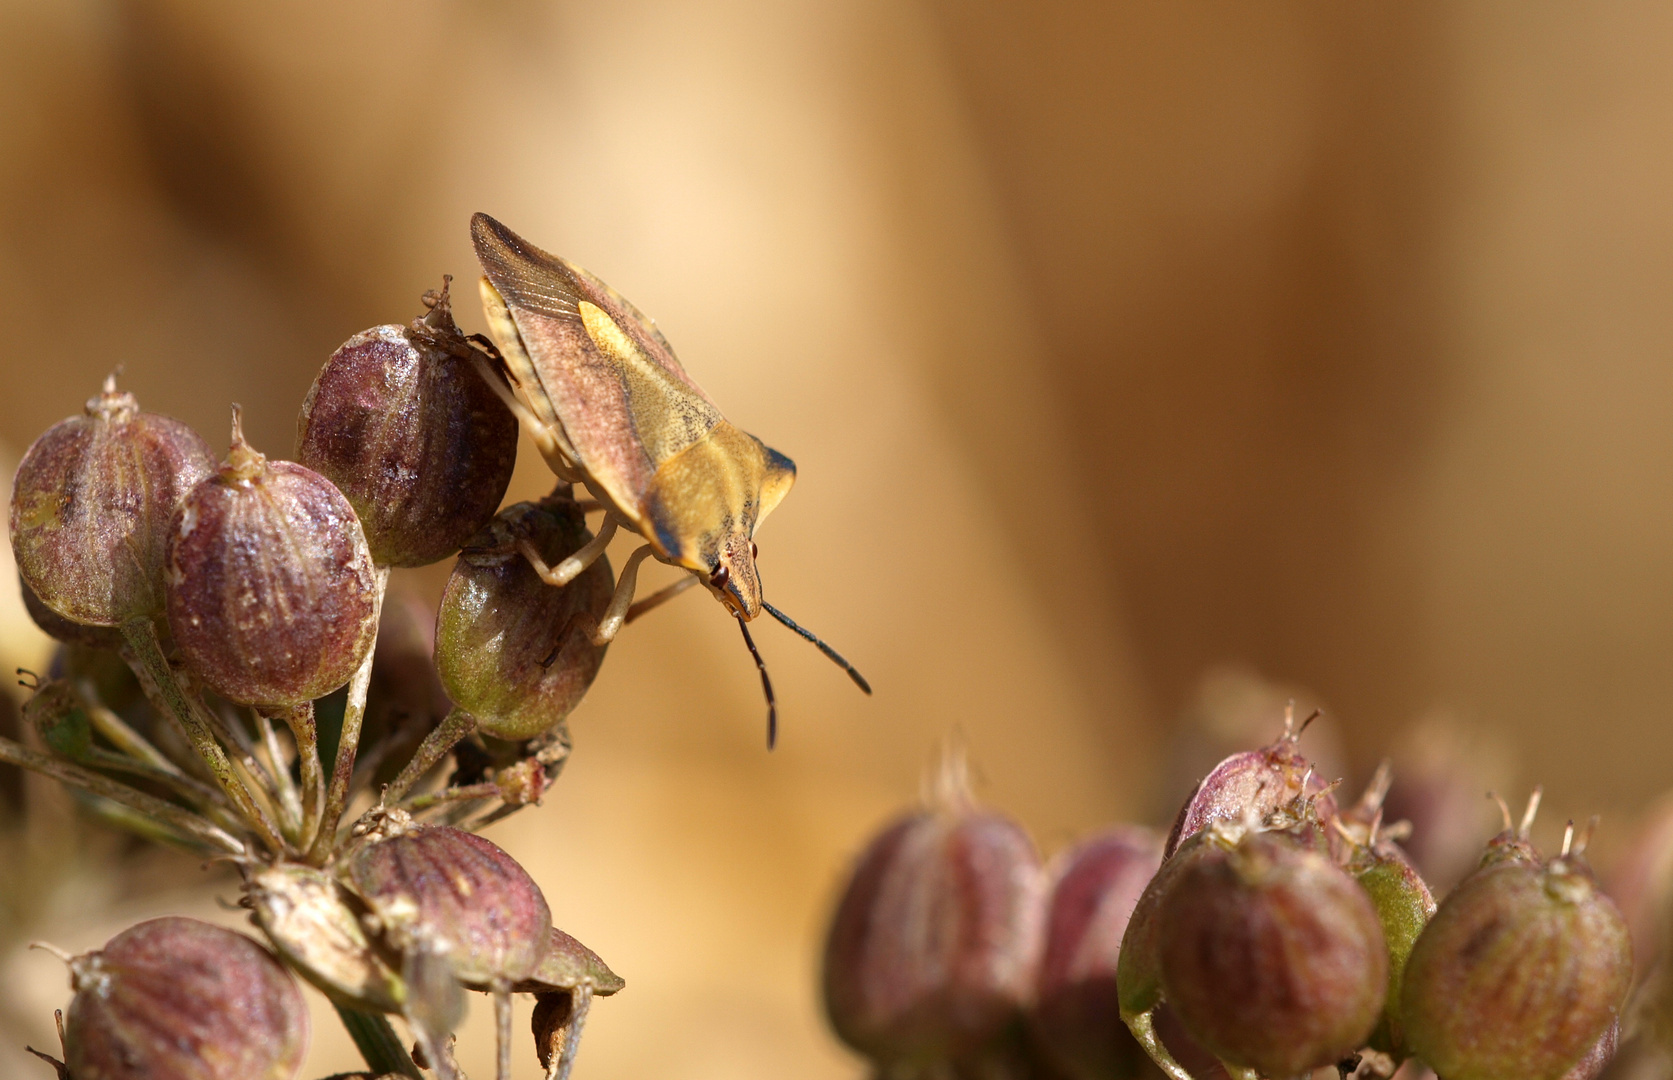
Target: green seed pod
{"x":91,"y":507}
{"x":1404,"y":906}
{"x":306,"y":915}
{"x":1523,"y":968}
{"x":272,"y":596}
{"x":1096,"y":886}
{"x":185,"y":1000}
{"x":400,"y":420}
{"x":933,"y":950}
{"x":509,"y":647}
{"x":445,"y":891}
{"x":1272,"y":957}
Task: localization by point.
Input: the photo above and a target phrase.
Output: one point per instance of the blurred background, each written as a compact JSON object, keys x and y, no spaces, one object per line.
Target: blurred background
{"x":1146,"y":365}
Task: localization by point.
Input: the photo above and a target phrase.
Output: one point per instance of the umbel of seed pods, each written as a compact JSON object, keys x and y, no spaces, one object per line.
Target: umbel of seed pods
{"x":242,"y":594}
{"x":1273,"y":933}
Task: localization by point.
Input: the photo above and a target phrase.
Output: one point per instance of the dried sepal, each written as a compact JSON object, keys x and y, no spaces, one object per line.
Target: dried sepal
{"x":306,"y":915}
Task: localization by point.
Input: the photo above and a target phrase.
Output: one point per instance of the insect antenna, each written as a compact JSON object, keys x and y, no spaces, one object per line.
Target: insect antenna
{"x":766,"y":685}
{"x":835,"y":657}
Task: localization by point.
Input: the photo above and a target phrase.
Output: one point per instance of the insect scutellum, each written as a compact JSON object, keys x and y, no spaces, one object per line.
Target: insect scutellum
{"x":598,"y":388}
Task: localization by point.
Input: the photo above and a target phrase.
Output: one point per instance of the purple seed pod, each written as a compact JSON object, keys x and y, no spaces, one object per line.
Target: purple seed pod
{"x":1096,"y":887}
{"x":447,"y":891}
{"x":1252,"y":784}
{"x":1518,"y":975}
{"x":513,"y":651}
{"x":1272,"y":956}
{"x":185,"y":1000}
{"x":61,"y":629}
{"x":934,"y":948}
{"x":91,"y":506}
{"x":400,"y":419}
{"x":1599,"y":1056}
{"x":272,"y":596}
{"x":305,"y":914}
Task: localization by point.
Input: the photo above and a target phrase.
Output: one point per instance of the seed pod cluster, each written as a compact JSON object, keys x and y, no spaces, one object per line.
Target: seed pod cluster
{"x":1281,"y":934}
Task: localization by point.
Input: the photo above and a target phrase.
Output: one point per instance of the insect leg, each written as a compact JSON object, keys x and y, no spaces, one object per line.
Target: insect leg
{"x":660,"y":597}
{"x":569,"y":569}
{"x":605,"y":630}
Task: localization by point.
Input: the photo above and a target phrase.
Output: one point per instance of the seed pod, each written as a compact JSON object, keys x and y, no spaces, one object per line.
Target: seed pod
{"x":272,"y":595}
{"x":1252,"y":784}
{"x":1404,"y":906}
{"x":1519,"y":973}
{"x":436,"y":888}
{"x":182,"y":999}
{"x":401,"y":421}
{"x":91,"y":507}
{"x":59,"y":628}
{"x":509,"y":647}
{"x":568,"y":964}
{"x":306,"y":915}
{"x":935,"y":945}
{"x":1272,"y":956}
{"x":1096,"y":887}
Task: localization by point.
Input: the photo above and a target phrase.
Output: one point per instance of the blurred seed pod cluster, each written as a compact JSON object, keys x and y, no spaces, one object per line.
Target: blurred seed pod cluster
{"x":236,"y":679}
{"x":1273,"y":933}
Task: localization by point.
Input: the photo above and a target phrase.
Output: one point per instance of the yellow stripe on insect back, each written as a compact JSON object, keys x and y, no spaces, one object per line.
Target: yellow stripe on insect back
{"x":680,"y":417}
{"x":715,"y":489}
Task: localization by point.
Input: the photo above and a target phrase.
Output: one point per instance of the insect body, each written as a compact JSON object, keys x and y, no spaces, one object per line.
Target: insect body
{"x":608,"y":404}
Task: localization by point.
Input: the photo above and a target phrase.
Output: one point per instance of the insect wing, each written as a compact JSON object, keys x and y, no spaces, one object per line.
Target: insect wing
{"x":608,"y":377}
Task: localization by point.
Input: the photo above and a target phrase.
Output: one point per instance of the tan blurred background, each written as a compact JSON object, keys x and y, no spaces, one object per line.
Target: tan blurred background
{"x":1113,"y":342}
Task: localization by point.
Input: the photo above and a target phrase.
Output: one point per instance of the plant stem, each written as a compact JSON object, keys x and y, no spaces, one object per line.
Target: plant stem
{"x":420,"y":803}
{"x":348,"y":742}
{"x":86,"y":779}
{"x":378,"y":1043}
{"x":300,"y":720}
{"x":454,"y":728}
{"x":154,"y":673}
{"x":290,"y":804}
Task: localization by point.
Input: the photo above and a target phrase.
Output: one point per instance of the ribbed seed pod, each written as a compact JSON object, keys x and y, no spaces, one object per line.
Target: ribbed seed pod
{"x":1519,"y":973}
{"x":403,"y":423}
{"x":509,"y":647}
{"x":1272,"y":956}
{"x":446,"y":891}
{"x":272,"y":594}
{"x":1252,"y":784}
{"x":185,"y":1000}
{"x":1095,"y":889}
{"x":91,"y":507}
{"x":935,"y":945}
{"x":1404,"y":907}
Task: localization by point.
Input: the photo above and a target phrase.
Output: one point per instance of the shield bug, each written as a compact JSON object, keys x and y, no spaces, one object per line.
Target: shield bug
{"x":607,"y":403}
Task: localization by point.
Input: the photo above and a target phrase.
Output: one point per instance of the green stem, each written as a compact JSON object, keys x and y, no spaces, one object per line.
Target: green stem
{"x":420,"y":803}
{"x":290,"y":803}
{"x":300,"y":720}
{"x":378,"y":1043}
{"x":154,"y":673}
{"x":86,"y":779}
{"x":348,"y":743}
{"x":454,"y":728}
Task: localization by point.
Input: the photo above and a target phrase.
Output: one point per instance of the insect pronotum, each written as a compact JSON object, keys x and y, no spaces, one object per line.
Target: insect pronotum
{"x":608,"y":405}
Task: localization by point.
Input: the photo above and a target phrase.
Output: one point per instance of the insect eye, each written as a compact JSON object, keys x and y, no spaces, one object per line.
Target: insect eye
{"x":720,"y":577}
{"x":754,"y":552}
